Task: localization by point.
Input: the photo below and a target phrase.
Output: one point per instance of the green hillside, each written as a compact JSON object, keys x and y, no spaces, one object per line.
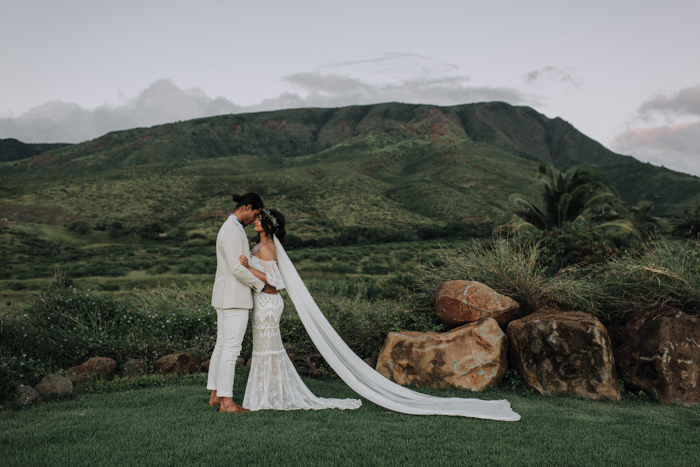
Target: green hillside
{"x":401,"y":164}
{"x":13,"y":150}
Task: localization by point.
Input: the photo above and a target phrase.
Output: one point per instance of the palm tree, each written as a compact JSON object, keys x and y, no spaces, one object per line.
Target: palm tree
{"x":644,"y":224}
{"x":577,"y":195}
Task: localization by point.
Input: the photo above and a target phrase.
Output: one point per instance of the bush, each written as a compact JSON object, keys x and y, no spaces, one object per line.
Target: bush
{"x":67,"y":326}
{"x":202,"y":265}
{"x":79,"y":227}
{"x":578,"y":244}
{"x":151,"y":231}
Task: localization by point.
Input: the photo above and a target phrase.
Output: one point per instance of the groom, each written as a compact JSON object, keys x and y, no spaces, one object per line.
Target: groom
{"x":233,"y":298}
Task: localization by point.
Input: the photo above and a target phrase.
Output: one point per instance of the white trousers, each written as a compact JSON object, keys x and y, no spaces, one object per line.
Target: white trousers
{"x":230,"y":329}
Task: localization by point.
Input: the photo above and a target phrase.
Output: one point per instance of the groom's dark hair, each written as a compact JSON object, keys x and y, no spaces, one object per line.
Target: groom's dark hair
{"x":248,"y":199}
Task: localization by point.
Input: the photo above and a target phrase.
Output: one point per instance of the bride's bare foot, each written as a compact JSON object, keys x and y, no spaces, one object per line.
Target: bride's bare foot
{"x":214,"y":400}
{"x":227,"y":405}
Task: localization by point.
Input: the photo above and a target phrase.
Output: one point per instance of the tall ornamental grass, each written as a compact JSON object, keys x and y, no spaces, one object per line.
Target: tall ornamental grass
{"x":612,"y":290}
{"x":513,"y":268}
{"x":664,"y":274}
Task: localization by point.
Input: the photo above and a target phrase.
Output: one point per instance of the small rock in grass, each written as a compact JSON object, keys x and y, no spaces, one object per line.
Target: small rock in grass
{"x":133,"y":368}
{"x":179,"y":363}
{"x":27,"y":395}
{"x":96,"y":366}
{"x":55,"y":385}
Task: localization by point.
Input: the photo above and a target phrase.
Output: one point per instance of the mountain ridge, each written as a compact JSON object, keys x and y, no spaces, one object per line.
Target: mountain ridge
{"x":408,"y":164}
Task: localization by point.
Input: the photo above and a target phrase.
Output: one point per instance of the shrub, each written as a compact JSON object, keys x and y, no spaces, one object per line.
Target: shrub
{"x":579,"y":243}
{"x":67,"y":326}
{"x":79,"y":227}
{"x":151,"y":231}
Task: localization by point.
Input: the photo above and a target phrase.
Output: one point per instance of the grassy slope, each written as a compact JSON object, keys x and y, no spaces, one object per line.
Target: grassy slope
{"x":173,"y":425}
{"x":413,"y":163}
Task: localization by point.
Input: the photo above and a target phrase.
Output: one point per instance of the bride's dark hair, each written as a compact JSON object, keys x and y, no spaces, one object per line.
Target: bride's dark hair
{"x":269,"y":227}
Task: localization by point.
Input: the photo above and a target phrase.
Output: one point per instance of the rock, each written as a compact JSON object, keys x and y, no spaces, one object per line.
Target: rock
{"x":27,"y":395}
{"x":472,"y":356}
{"x":663,"y":358}
{"x":102,"y":367}
{"x":249,"y":362}
{"x":205,"y":366}
{"x":564,"y":352}
{"x":2,"y":409}
{"x":179,"y":363}
{"x":635,"y":324}
{"x":460,"y":302}
{"x":133,"y":368}
{"x":240,"y":361}
{"x":371,"y":361}
{"x":54,"y":384}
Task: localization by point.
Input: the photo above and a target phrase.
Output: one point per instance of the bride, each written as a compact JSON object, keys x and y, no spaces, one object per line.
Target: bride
{"x":273,"y":382}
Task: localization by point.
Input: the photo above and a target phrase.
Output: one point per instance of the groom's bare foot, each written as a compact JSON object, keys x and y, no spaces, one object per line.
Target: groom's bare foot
{"x":214,"y":400}
{"x":227,"y":405}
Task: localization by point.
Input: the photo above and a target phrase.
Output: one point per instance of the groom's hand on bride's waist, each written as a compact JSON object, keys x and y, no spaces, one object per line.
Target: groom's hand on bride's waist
{"x":267,"y":288}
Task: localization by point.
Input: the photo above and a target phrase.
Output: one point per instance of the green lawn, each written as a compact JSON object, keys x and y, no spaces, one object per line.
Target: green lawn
{"x":173,"y":425}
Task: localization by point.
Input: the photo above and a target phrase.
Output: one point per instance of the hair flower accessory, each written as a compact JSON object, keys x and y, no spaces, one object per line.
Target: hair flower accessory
{"x":269,"y":215}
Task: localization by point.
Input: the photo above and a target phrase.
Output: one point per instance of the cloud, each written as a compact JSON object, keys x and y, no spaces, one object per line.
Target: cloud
{"x":552,"y":73}
{"x":394,"y":77}
{"x":684,"y":102}
{"x":397,"y":77}
{"x":325,"y":90}
{"x":674,"y":146}
{"x":161,"y":102}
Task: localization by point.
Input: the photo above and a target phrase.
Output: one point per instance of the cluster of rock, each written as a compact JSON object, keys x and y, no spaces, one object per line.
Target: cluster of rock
{"x":554,"y":351}
{"x":107,"y":368}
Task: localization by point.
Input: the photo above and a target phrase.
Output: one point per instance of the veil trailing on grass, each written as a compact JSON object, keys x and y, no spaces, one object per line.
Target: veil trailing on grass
{"x":361,"y":377}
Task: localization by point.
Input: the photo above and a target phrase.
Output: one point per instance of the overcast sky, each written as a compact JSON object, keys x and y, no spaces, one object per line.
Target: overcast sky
{"x":625,"y":73}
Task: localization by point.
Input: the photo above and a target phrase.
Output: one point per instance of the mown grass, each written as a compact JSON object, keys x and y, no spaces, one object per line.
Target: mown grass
{"x":173,"y":425}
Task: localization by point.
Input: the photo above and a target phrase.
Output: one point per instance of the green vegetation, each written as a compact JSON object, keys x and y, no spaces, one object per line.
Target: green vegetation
{"x":613,"y":289}
{"x":576,"y":196}
{"x":170,"y":423}
{"x":13,"y":150}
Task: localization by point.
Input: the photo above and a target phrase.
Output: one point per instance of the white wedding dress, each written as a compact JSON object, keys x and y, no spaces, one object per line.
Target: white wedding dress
{"x":274,"y":383}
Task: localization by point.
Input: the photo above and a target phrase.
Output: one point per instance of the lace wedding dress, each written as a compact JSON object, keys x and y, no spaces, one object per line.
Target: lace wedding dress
{"x":273,"y":382}
{"x":364,"y":380}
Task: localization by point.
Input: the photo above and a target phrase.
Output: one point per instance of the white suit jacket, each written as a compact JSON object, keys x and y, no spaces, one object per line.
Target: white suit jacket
{"x":233,"y":282}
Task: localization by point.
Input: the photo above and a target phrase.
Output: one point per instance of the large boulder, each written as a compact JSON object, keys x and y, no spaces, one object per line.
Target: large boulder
{"x":55,"y":385}
{"x":663,"y":358}
{"x":564,"y":352}
{"x":473,"y":356}
{"x":132,"y":368}
{"x":633,"y":326}
{"x":27,"y":395}
{"x":179,"y":363}
{"x":100,"y":367}
{"x":461,"y":302}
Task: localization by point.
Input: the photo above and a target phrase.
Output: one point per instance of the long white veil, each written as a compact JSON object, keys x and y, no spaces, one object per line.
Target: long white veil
{"x":361,"y":377}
